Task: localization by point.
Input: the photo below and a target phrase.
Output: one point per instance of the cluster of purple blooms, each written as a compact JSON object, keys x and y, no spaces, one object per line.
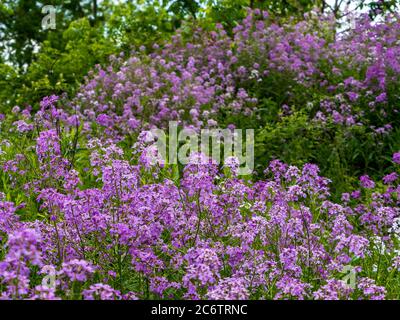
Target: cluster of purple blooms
{"x":135,"y":233}
{"x":111,"y":225}
{"x":193,"y":81}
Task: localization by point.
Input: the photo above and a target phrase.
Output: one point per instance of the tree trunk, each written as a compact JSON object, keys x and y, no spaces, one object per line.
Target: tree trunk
{"x":95,"y":10}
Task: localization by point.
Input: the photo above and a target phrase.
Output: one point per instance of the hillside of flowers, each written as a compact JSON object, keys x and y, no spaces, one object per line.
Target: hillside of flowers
{"x":85,"y":212}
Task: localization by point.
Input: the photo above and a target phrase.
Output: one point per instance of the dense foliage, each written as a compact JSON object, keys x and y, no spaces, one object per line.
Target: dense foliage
{"x":82,"y":201}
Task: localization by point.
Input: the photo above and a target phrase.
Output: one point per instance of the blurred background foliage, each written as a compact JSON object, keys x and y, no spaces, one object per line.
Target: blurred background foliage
{"x":35,"y":63}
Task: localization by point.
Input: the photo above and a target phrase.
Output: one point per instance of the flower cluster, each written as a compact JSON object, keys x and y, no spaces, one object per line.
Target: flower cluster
{"x":86,"y":196}
{"x":197,"y":81}
{"x":135,"y":233}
